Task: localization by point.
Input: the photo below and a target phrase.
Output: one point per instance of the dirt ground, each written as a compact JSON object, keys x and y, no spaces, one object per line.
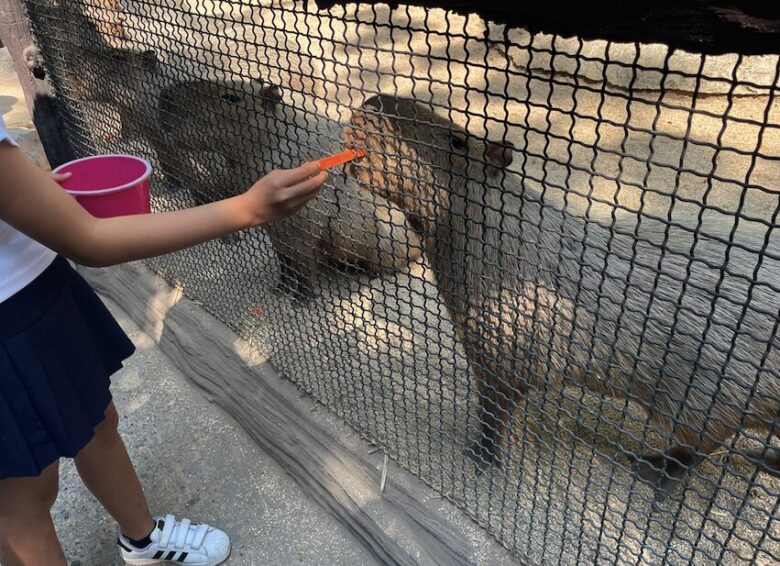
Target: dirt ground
{"x":654,"y":134}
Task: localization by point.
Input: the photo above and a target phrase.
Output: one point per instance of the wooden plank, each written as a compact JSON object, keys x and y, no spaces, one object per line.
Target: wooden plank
{"x":701,"y":26}
{"x":16,"y":36}
{"x":346,"y":485}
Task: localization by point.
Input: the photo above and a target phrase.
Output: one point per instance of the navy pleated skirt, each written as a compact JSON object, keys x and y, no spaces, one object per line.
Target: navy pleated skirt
{"x":59,"y":346}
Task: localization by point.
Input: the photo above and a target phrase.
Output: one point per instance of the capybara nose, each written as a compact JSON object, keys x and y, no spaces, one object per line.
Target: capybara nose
{"x":508,"y":154}
{"x":500,"y":154}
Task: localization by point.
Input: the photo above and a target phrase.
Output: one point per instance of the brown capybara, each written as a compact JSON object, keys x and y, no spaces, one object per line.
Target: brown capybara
{"x":685,"y":327}
{"x":246,"y":122}
{"x":97,"y":65}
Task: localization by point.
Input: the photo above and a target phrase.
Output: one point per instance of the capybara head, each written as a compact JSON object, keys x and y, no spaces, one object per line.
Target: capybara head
{"x":219,"y":108}
{"x":132,"y":60}
{"x":417,"y":158}
{"x":114,"y":75}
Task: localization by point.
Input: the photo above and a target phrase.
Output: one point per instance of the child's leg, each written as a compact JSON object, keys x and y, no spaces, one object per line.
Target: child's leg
{"x":106,"y":469}
{"x":27,"y":536}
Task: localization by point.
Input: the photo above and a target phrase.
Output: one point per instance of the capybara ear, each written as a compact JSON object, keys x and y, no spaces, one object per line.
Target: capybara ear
{"x":272,"y":93}
{"x":32,"y":56}
{"x":499,"y":154}
{"x":149,"y":58}
{"x":373,"y":103}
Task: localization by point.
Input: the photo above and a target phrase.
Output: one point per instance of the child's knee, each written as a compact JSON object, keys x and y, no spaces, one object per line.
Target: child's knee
{"x":42,"y":498}
{"x":24,"y":499}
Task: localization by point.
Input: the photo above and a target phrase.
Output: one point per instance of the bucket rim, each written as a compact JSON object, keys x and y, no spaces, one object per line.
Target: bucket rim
{"x":143,"y":177}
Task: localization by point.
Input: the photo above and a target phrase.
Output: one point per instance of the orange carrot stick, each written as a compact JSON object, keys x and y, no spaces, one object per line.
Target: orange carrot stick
{"x":340,"y":158}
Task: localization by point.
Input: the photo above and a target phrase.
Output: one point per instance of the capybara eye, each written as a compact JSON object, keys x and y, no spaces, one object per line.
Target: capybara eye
{"x":230,"y":98}
{"x":458,"y":142}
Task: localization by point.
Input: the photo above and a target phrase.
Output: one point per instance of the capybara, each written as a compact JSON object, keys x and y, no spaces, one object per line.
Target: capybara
{"x":246,"y":122}
{"x":95,"y":66}
{"x":542,"y":296}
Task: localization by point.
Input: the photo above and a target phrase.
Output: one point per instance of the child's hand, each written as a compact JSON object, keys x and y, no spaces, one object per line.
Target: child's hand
{"x":60,"y":177}
{"x":283,"y":192}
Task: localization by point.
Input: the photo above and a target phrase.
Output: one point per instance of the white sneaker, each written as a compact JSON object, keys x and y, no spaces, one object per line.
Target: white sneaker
{"x":182,"y":542}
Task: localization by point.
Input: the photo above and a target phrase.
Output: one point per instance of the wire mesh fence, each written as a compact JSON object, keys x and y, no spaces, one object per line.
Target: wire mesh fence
{"x":552,"y":288}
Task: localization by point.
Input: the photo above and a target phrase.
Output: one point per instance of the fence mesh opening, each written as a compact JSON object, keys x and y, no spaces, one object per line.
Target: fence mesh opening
{"x":551,"y":290}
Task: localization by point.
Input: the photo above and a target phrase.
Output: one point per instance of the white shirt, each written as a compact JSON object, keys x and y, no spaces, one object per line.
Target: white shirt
{"x":22,"y":259}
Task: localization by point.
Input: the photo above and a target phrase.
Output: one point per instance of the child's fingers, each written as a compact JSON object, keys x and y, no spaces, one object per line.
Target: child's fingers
{"x":60,"y":177}
{"x":305,"y":189}
{"x":290,"y":177}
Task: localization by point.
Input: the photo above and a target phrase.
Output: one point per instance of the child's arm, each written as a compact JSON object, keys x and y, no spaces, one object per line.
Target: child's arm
{"x":33,"y":203}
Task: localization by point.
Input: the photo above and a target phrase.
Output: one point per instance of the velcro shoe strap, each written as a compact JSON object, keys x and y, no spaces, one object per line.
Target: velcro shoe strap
{"x":181,"y":535}
{"x":167,"y":532}
{"x":200,"y":535}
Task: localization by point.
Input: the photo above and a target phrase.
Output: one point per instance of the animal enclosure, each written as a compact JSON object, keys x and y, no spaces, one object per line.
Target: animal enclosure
{"x":552,"y":288}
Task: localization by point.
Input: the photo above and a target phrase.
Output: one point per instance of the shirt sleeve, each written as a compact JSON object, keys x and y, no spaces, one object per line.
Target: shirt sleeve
{"x":4,"y":135}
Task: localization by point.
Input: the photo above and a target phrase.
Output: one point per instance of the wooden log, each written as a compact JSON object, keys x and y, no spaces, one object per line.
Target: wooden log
{"x":346,"y":485}
{"x":45,"y":111}
{"x":701,"y":26}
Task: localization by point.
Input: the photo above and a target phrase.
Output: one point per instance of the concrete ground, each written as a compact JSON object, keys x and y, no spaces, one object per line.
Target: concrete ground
{"x":193,"y":458}
{"x":196,"y":461}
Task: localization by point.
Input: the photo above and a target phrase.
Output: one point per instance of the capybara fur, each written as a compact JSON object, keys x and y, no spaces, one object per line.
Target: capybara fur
{"x":97,"y":67}
{"x":128,"y":79}
{"x":246,"y":122}
{"x":686,"y":328}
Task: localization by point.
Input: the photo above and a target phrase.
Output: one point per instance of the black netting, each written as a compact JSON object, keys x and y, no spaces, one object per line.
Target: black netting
{"x":552,"y":288}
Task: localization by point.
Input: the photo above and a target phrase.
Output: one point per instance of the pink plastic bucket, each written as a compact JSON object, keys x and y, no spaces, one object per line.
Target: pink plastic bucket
{"x":109,"y":185}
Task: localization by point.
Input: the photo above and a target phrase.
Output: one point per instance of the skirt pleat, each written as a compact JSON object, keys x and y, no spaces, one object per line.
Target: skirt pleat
{"x":55,"y":366}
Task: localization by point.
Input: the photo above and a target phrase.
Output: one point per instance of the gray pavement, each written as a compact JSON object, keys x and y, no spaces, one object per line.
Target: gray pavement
{"x":195,"y":460}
